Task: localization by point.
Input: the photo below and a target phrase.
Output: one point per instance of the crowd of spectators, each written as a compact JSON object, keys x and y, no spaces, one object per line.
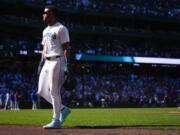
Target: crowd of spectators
{"x":124,"y":48}
{"x":17,"y":80}
{"x":95,"y":89}
{"x":10,"y":47}
{"x":125,"y":88}
{"x":168,"y":8}
{"x":17,"y":83}
{"x":77,"y":26}
{"x":95,"y":29}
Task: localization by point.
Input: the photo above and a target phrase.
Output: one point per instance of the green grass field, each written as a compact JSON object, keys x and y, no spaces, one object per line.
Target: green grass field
{"x":148,"y":118}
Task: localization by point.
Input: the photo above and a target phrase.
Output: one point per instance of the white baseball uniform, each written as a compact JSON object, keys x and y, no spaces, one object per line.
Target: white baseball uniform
{"x":52,"y":74}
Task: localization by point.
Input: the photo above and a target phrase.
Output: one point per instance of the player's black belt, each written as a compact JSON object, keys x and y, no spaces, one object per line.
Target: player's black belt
{"x":51,"y":58}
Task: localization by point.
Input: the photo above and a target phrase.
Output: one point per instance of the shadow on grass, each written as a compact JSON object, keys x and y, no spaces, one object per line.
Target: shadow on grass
{"x":127,"y":126}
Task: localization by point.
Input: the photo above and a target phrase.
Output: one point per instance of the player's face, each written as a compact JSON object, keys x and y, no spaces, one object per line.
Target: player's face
{"x":46,"y":15}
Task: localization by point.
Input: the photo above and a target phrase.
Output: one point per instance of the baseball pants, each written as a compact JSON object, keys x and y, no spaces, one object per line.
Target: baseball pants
{"x":50,"y":81}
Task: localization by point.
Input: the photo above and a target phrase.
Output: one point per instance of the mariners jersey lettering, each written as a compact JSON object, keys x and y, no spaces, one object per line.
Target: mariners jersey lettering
{"x":53,"y":38}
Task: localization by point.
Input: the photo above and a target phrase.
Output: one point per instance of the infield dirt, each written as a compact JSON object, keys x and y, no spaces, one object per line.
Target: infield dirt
{"x":36,"y":130}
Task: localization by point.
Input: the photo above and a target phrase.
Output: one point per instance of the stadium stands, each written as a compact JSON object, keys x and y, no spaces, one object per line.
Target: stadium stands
{"x":97,"y":27}
{"x":167,"y":8}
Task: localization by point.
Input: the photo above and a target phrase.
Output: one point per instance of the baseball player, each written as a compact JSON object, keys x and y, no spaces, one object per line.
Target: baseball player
{"x":11,"y":100}
{"x":16,"y":101}
{"x":55,"y":51}
{"x":34,"y":99}
{"x":7,"y":100}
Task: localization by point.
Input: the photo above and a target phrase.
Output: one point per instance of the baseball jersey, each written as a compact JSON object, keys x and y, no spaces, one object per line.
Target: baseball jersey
{"x":53,"y":37}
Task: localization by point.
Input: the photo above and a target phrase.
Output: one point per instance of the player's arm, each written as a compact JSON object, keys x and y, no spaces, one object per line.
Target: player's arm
{"x":43,"y":43}
{"x":66,"y":55}
{"x":43,"y":52}
{"x":64,"y":38}
{"x":42,"y":61}
{"x":66,"y":50}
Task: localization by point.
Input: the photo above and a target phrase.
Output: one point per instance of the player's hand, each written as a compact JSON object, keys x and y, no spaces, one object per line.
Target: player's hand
{"x":70,"y":81}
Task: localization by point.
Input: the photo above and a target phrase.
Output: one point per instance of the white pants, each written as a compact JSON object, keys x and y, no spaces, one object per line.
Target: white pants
{"x":50,"y":81}
{"x":34,"y":105}
{"x":6,"y":103}
{"x":11,"y":105}
{"x":16,"y":105}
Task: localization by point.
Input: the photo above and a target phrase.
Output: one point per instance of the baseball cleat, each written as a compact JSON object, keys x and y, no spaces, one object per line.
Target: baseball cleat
{"x":64,"y":113}
{"x":55,"y":124}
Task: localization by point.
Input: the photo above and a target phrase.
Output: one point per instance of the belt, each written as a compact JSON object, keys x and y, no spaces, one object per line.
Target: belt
{"x":52,"y":58}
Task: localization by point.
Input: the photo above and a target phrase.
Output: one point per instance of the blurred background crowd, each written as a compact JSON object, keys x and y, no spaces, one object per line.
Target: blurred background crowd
{"x":141,"y":28}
